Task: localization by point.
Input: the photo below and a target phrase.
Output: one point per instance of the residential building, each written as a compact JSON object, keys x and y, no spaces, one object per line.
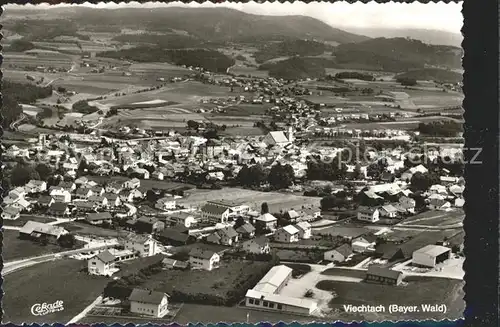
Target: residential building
{"x":225,"y":236}
{"x":83,"y":193}
{"x":339,"y":254}
{"x":304,"y":229}
{"x":148,"y":303}
{"x":287,"y":234}
{"x":204,"y":259}
{"x":181,"y":218}
{"x":364,"y":243}
{"x":167,"y":203}
{"x":61,"y":195}
{"x":148,"y":225}
{"x":266,"y":221}
{"x":11,"y":213}
{"x":132,"y":184}
{"x":258,"y":245}
{"x":36,"y":186}
{"x":407,"y":203}
{"x":246,"y":230}
{"x":99,"y":218}
{"x":388,"y":211}
{"x":102,"y":264}
{"x":39,"y":231}
{"x":145,"y":245}
{"x":172,"y":236}
{"x":112,"y":199}
{"x":59,"y":209}
{"x":369,"y":214}
{"x":99,"y":199}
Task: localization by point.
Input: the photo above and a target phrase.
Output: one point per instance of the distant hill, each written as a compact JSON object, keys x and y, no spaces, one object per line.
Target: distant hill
{"x":432,"y":74}
{"x":290,"y":48}
{"x":295,"y":68}
{"x":429,"y":36}
{"x":398,"y":54}
{"x":210,"y":24}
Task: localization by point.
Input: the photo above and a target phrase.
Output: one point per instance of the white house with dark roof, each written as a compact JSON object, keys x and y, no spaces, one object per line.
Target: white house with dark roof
{"x":145,"y":245}
{"x":267,"y":221}
{"x":388,"y":211}
{"x":258,"y":245}
{"x":148,"y":303}
{"x":203,"y":259}
{"x":246,"y":230}
{"x":102,"y":264}
{"x":224,"y":236}
{"x":11,"y":213}
{"x":304,"y":229}
{"x":60,"y":195}
{"x":99,"y":218}
{"x":369,"y":214}
{"x":287,"y":234}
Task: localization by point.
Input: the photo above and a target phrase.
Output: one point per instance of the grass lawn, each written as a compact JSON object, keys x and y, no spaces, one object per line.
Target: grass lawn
{"x":48,"y":282}
{"x":17,"y":249}
{"x":244,"y":109}
{"x":218,"y":282}
{"x":435,"y":218}
{"x":87,"y":229}
{"x":419,"y":290}
{"x":21,"y":221}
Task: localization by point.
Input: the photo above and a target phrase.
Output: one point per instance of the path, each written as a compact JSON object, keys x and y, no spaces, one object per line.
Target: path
{"x":82,"y":314}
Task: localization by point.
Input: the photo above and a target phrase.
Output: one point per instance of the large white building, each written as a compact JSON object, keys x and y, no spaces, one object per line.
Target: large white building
{"x":265,"y":295}
{"x":146,"y":246}
{"x":431,"y":255}
{"x":148,"y":303}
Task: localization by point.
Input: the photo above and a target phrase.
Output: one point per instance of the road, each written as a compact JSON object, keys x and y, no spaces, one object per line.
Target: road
{"x":13,"y":126}
{"x":12,"y":266}
{"x":82,"y":314}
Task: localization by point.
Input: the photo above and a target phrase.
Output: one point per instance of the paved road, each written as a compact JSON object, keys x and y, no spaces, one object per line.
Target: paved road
{"x":82,"y":314}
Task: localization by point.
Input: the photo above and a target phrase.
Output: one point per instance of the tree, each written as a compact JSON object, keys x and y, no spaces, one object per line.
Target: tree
{"x":281,"y":176}
{"x":422,"y":182}
{"x":67,"y":241}
{"x":252,"y":176}
{"x":264,"y":208}
{"x":193,"y":124}
{"x":22,"y":174}
{"x":331,"y":201}
{"x":44,"y":171}
{"x":239,"y":222}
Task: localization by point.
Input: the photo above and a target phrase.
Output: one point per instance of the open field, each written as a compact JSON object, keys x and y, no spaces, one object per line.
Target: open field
{"x":59,"y":280}
{"x":435,"y":218}
{"x":418,"y":291}
{"x":276,"y":201}
{"x":15,"y":248}
{"x":80,"y":228}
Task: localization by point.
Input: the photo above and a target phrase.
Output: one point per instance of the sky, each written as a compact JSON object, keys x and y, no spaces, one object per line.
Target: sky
{"x":439,"y":16}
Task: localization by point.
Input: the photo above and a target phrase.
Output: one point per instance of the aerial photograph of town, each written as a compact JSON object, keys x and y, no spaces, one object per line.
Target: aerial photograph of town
{"x":232,"y":162}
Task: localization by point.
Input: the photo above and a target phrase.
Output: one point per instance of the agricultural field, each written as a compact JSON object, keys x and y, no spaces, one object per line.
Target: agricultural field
{"x":16,"y":248}
{"x":435,"y":218}
{"x":417,"y":291}
{"x":276,"y":201}
{"x":25,"y":218}
{"x":64,"y":280}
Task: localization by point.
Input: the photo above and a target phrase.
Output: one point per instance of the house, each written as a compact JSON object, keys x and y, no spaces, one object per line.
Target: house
{"x":246,"y":230}
{"x":266,"y":221}
{"x":85,"y":206}
{"x":204,"y":259}
{"x":11,"y":213}
{"x":438,"y":204}
{"x":339,"y":254}
{"x":158,"y":175}
{"x":18,"y":192}
{"x":35,"y":186}
{"x":67,"y":185}
{"x":81,"y":181}
{"x":22,"y":204}
{"x":112,"y":199}
{"x":364,"y":243}
{"x":60,"y":195}
{"x":287,"y":234}
{"x":45,"y":201}
{"x":171,"y":236}
{"x":383,"y":275}
{"x":258,"y":245}
{"x":276,"y":138}
{"x":213,"y":212}
{"x":97,"y":190}
{"x":225,"y":236}
{"x":132,"y":184}
{"x":99,"y":218}
{"x":34,"y":230}
{"x":181,"y":218}
{"x":126,"y":196}
{"x":431,"y":255}
{"x":407,"y":203}
{"x":167,"y":203}
{"x":59,"y":209}
{"x":292,"y":215}
{"x":149,"y":225}
{"x":114,"y":187}
{"x":83,"y":193}
{"x":369,"y":214}
{"x":304,"y":229}
{"x":148,"y":303}
{"x":388,"y":211}
{"x":448,"y":180}
{"x":99,"y":199}
{"x":102,"y":264}
{"x":146,"y":246}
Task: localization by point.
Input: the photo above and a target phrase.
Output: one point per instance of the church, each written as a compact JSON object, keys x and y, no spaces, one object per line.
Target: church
{"x":279,"y":137}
